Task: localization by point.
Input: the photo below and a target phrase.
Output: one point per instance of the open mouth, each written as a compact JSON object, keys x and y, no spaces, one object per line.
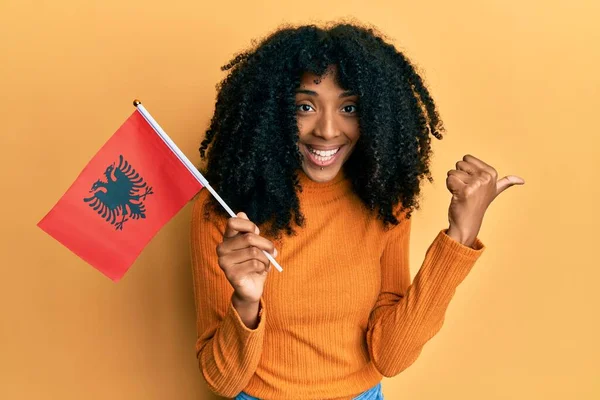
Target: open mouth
{"x":322,"y":158}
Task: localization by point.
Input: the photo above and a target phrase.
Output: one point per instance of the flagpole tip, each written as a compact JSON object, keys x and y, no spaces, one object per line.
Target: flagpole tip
{"x":136,"y":102}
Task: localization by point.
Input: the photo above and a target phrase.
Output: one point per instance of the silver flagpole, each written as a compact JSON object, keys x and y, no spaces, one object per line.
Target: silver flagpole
{"x":194,"y":171}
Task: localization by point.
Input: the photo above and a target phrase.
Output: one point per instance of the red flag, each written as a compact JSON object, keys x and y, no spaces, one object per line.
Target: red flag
{"x":132,"y":187}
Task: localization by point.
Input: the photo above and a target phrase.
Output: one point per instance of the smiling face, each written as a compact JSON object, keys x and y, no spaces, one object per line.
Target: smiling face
{"x":328,"y":124}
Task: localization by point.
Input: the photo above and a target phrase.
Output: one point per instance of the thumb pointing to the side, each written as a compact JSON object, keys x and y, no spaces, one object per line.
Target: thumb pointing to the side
{"x":507,"y":182}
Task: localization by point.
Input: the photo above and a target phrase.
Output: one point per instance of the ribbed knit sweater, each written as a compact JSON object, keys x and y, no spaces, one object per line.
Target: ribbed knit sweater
{"x":341,"y":315}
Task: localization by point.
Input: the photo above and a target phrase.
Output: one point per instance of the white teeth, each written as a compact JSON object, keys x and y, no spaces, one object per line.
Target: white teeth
{"x":323,"y":153}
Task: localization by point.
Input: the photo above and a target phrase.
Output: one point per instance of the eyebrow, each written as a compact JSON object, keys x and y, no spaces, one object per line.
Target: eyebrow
{"x":347,"y":93}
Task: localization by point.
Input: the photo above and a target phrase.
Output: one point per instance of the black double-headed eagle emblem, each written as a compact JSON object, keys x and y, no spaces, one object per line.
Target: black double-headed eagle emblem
{"x":120,"y":196}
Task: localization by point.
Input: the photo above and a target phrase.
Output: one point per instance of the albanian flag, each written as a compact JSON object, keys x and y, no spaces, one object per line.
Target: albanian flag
{"x":132,"y":187}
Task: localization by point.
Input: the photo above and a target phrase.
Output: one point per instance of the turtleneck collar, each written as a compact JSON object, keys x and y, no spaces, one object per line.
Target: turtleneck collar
{"x":322,"y":192}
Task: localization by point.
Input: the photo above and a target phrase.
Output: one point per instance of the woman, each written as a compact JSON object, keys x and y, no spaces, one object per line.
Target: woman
{"x":321,"y":136}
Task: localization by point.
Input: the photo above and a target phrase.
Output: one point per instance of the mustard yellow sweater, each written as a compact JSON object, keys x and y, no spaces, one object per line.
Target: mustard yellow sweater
{"x":342,"y":314}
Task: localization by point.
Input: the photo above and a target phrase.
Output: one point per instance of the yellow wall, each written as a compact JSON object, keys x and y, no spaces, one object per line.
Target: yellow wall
{"x":517,"y":85}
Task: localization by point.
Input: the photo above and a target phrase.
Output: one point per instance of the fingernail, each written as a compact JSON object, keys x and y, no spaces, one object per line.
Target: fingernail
{"x":275,"y":253}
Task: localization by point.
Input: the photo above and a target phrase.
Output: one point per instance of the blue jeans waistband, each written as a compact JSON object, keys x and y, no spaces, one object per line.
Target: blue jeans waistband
{"x":375,"y":393}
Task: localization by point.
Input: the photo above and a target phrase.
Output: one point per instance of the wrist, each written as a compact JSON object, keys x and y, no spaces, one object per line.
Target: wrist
{"x":464,"y":239}
{"x":239,"y":302}
{"x":248,"y":311}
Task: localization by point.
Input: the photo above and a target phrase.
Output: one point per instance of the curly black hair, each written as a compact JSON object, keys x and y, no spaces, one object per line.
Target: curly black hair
{"x":254,"y":159}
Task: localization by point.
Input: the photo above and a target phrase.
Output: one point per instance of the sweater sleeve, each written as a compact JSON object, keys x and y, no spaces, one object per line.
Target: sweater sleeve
{"x":405,"y":315}
{"x":228,"y":351}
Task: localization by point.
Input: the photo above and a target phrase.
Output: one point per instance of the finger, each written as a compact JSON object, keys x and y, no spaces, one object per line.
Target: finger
{"x":243,"y":255}
{"x":507,"y":182}
{"x":461,"y":175}
{"x":238,"y":224}
{"x":244,"y":216}
{"x":469,"y":168}
{"x":245,"y":240}
{"x":454,"y":184}
{"x":480,"y":164}
{"x":250,"y":266}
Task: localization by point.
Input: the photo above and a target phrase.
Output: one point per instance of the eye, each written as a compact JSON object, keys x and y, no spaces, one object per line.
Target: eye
{"x":303,"y":107}
{"x":350,"y":109}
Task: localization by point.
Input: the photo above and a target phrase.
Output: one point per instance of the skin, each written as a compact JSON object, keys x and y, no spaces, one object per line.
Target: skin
{"x":474,"y":185}
{"x":245,"y":266}
{"x":327,"y":119}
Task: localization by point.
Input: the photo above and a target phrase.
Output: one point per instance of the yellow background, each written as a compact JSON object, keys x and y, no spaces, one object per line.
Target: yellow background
{"x":517,"y":86}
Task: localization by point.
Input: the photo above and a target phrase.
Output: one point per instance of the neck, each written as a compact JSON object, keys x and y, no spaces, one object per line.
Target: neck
{"x":335,"y":188}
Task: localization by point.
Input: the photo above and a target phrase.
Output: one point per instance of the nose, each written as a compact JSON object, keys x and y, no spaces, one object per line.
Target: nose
{"x":327,"y":127}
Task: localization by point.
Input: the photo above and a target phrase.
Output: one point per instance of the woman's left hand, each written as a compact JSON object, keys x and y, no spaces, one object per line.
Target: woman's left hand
{"x":474,"y":186}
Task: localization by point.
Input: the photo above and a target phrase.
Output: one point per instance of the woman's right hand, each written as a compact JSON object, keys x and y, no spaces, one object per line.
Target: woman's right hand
{"x":241,"y":258}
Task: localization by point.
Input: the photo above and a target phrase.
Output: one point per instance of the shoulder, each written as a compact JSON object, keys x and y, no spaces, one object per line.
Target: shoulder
{"x":401,"y":213}
{"x":404,"y":221}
